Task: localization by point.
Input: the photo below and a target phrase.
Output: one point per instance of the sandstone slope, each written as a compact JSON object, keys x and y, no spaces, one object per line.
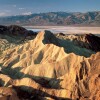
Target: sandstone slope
{"x":48,"y":68}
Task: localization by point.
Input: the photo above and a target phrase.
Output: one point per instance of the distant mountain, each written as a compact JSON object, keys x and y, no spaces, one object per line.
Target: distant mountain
{"x":54,"y":18}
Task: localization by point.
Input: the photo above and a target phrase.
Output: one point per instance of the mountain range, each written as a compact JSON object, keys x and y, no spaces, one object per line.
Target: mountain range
{"x":55,"y":18}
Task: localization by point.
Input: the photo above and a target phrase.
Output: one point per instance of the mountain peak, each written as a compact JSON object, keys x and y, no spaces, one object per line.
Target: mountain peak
{"x":54,"y":18}
{"x":47,"y":37}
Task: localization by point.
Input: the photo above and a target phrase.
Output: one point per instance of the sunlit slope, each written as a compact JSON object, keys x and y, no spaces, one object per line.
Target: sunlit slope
{"x":48,"y":67}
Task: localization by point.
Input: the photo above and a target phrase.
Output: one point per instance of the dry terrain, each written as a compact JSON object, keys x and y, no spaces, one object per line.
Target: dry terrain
{"x":67,"y":29}
{"x":52,"y":67}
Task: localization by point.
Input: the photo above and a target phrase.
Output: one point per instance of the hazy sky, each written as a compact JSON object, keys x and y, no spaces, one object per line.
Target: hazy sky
{"x":16,"y":7}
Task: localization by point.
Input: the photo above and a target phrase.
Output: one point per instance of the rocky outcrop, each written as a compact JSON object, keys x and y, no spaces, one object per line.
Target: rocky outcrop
{"x":13,"y":35}
{"x":15,"y":30}
{"x":47,"y":68}
{"x":7,"y":93}
{"x":93,"y":41}
{"x":88,"y":41}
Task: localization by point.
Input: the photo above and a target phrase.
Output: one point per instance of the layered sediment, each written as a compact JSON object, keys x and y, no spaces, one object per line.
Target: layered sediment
{"x":49,"y":68}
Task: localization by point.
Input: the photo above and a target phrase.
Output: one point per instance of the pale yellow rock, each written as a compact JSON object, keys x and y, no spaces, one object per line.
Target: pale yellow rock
{"x":44,"y":66}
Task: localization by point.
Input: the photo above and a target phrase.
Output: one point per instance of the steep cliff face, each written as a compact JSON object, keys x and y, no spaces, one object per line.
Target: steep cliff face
{"x":48,"y":68}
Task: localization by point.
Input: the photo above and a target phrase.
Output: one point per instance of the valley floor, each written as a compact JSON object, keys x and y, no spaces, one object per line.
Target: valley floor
{"x":66,"y":29}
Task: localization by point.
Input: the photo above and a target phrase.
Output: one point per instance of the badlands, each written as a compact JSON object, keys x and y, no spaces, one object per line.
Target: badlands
{"x":51,"y":67}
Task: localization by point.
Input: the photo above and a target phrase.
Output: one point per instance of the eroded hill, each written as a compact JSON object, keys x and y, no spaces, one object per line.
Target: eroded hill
{"x":88,"y":41}
{"x":13,"y":35}
{"x":48,"y":68}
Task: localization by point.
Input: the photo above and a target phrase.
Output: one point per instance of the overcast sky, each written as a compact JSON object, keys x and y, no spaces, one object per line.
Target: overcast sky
{"x":25,"y":7}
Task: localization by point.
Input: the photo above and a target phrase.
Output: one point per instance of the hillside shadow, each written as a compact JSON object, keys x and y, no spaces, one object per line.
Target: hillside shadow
{"x":16,"y":34}
{"x":94,"y":42}
{"x":34,"y":94}
{"x":69,"y":46}
{"x":2,"y":82}
{"x":46,"y":82}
